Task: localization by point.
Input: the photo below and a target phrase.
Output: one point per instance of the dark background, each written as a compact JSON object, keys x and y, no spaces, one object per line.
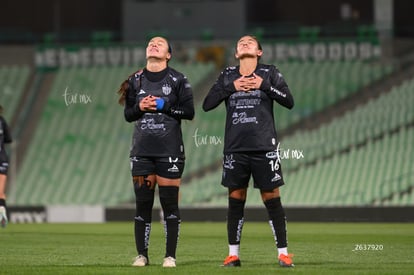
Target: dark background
{"x":27,"y":21}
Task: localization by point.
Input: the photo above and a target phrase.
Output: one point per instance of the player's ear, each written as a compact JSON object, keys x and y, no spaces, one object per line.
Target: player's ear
{"x":259,"y":53}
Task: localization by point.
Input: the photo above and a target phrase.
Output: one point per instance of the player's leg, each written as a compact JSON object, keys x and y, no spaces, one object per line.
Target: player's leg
{"x":143,"y":183}
{"x":267,"y":175}
{"x":235,"y":222}
{"x":168,"y":178}
{"x":144,"y":199}
{"x":277,"y":221}
{"x":236,"y":175}
{"x":3,"y":207}
{"x":168,"y":191}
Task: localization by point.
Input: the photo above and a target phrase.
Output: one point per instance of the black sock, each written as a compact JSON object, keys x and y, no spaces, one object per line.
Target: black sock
{"x":235,"y":220}
{"x":142,"y":234}
{"x":172,"y":220}
{"x":143,"y":217}
{"x":277,"y":221}
{"x":3,"y":202}
{"x":172,"y":231}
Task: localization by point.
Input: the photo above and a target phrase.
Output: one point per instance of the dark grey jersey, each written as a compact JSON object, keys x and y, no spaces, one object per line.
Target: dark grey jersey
{"x":158,"y":134}
{"x":250,"y":125}
{"x":5,"y":137}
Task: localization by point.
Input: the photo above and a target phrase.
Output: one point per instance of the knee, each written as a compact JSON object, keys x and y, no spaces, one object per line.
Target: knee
{"x":145,"y":180}
{"x":239,"y":194}
{"x":144,"y":200}
{"x":271,"y":194}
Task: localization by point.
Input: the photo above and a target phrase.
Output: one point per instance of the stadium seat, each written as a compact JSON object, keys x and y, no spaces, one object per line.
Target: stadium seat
{"x":12,"y":83}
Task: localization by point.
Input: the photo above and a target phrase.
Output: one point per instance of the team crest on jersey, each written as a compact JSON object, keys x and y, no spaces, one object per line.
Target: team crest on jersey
{"x":166,"y":89}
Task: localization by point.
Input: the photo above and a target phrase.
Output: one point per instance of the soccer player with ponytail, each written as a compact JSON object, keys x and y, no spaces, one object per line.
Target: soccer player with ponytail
{"x":5,"y":137}
{"x":156,"y":99}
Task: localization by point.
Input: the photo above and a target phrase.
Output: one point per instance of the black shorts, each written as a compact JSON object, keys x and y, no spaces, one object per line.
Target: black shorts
{"x":263,"y":166}
{"x":170,"y":168}
{"x":4,"y":167}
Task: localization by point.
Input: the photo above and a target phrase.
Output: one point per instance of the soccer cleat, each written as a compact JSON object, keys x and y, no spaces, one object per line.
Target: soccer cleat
{"x":232,"y":261}
{"x":140,"y":260}
{"x":168,"y":262}
{"x":3,"y":216}
{"x":286,"y":260}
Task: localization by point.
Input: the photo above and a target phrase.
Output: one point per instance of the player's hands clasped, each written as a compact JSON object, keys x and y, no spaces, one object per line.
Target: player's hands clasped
{"x":148,"y":103}
{"x":248,"y":83}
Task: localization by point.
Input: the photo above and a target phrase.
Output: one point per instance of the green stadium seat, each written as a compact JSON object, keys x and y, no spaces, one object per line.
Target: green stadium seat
{"x":12,"y":83}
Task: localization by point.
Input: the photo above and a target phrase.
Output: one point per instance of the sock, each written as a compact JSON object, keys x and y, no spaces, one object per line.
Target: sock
{"x":172,"y":220}
{"x":234,"y":250}
{"x":277,"y":221}
{"x":3,"y":202}
{"x":235,"y":221}
{"x":143,"y":217}
{"x":282,"y":250}
{"x":172,"y":232}
{"x":142,"y":234}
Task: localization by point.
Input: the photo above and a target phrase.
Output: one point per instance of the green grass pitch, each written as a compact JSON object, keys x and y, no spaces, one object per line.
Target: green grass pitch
{"x":319,"y":248}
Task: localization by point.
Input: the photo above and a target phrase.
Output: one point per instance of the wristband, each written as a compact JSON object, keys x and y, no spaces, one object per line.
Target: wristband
{"x":160,"y":104}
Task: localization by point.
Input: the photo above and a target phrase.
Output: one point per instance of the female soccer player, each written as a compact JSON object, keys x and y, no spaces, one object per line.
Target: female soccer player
{"x":4,"y":166}
{"x":156,"y":99}
{"x":250,"y":142}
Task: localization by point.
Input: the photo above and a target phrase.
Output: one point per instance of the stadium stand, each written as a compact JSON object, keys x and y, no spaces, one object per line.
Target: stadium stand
{"x":310,"y":83}
{"x":364,"y":176}
{"x":361,"y":158}
{"x":379,"y":116}
{"x":79,"y":153}
{"x":317,"y":85}
{"x":13,"y":79}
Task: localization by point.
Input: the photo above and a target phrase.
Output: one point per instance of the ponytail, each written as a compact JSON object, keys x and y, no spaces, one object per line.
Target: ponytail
{"x":122,"y":92}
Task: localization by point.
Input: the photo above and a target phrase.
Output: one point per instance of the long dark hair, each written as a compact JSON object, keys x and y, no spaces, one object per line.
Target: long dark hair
{"x":125,"y":85}
{"x":122,"y":92}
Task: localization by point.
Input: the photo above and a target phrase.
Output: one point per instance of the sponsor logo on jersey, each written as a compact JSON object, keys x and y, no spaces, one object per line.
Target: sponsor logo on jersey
{"x":141,"y":92}
{"x":272,"y":155}
{"x":242,"y":118}
{"x":277,"y":92}
{"x":151,"y":124}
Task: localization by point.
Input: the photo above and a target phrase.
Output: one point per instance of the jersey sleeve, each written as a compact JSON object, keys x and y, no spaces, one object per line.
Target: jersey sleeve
{"x":6,"y":132}
{"x":218,"y":92}
{"x":131,"y":109}
{"x":277,"y":89}
{"x":184,"y":108}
